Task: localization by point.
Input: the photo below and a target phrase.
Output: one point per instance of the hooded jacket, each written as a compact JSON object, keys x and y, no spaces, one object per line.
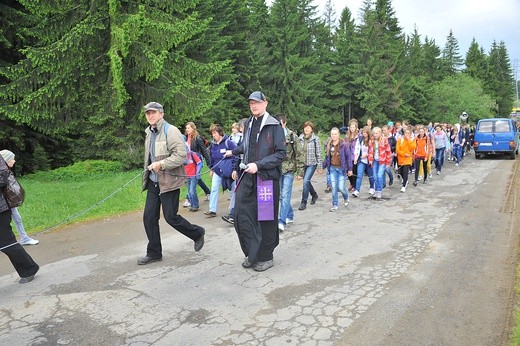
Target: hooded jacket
{"x":271,"y":148}
{"x":4,"y":174}
{"x":170,"y":151}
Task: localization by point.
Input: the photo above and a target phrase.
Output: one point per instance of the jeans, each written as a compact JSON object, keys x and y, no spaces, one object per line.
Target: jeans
{"x":18,"y":224}
{"x":192,"y":192}
{"x":216,"y":182}
{"x":286,"y":184}
{"x":307,"y":185}
{"x":388,"y":171}
{"x":329,"y":180}
{"x":457,"y":151}
{"x":363,"y":168}
{"x":439,"y":158}
{"x":337,"y":179}
{"x":379,"y":175}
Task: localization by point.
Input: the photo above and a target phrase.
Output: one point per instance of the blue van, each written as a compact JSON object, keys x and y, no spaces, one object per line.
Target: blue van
{"x":496,"y":136}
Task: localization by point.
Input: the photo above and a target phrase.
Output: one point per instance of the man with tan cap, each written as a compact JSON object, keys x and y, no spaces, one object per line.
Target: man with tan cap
{"x":164,"y":157}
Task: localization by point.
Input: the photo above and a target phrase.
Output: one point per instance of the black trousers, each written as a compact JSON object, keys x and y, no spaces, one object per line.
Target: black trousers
{"x":258,"y":239}
{"x":170,"y":206}
{"x":21,"y":260}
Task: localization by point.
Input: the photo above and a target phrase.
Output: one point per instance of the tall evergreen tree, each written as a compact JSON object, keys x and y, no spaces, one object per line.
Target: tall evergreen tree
{"x":476,"y":61}
{"x":451,"y":58}
{"x":500,"y":81}
{"x":293,"y":65}
{"x":344,"y":69}
{"x":94,"y":64}
{"x":382,"y":48}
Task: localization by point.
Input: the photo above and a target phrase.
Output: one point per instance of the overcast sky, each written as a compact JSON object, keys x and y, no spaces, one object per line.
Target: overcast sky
{"x":485,"y":20}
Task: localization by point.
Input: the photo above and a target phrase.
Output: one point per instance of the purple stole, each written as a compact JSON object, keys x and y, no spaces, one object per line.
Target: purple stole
{"x":265,"y":198}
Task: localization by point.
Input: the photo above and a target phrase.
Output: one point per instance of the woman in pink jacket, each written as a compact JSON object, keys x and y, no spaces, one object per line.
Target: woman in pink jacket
{"x":379,"y":157}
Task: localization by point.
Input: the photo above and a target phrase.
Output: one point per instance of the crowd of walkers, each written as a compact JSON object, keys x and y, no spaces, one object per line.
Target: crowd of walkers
{"x":393,"y":152}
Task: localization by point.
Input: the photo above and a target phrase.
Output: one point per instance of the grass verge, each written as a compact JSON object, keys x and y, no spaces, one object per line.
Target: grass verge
{"x":87,"y":190}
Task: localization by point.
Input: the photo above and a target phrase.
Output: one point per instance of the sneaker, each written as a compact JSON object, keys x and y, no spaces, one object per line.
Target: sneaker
{"x":186,"y":204}
{"x":210,"y":213}
{"x":262,"y":266}
{"x":314,"y":199}
{"x":456,"y":165}
{"x":438,"y":172}
{"x":429,"y":176}
{"x":281,"y":227}
{"x":403,"y":189}
{"x":371,"y":191}
{"x":246,"y":263}
{"x":415,"y":183}
{"x":425,"y":180}
{"x":378,"y":194}
{"x":302,"y":206}
{"x":346,"y":203}
{"x":334,"y":208}
{"x":287,"y":221}
{"x":355,"y":193}
{"x":194,"y":209}
{"x":228,"y":219}
{"x":29,"y":241}
{"x":206,"y":198}
{"x":328,"y":189}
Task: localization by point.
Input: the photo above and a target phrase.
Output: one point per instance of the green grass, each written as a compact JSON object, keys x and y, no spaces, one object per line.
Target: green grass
{"x":88,"y":190}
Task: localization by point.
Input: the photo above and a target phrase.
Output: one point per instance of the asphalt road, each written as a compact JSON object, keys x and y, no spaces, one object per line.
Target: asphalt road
{"x":432,"y":266}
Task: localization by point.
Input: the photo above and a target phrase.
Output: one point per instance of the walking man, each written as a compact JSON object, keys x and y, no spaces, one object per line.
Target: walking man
{"x":258,"y":187}
{"x":164,"y":157}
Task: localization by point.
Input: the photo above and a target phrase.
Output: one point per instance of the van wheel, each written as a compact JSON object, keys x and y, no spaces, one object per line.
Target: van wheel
{"x":478,"y":156}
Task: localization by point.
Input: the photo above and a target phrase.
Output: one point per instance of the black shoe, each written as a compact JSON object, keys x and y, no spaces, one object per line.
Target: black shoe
{"x":194,"y":209}
{"x":328,"y":189}
{"x":26,"y":279}
{"x":147,"y":260}
{"x":199,"y":243}
{"x":210,"y":213}
{"x":314,"y":199}
{"x":228,"y":219}
{"x":391,"y":182}
{"x":415,"y":183}
{"x":302,"y":206}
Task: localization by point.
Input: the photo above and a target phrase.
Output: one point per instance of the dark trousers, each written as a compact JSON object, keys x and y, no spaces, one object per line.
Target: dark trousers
{"x":421,"y":161}
{"x":204,"y":187}
{"x":258,"y":239}
{"x":170,"y":206}
{"x":21,"y":260}
{"x":404,"y":170}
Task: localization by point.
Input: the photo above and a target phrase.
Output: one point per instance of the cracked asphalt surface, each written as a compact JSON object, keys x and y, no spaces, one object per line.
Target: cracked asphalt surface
{"x":432,"y":266}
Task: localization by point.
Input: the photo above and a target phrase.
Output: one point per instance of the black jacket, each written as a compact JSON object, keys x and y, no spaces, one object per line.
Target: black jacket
{"x":271,"y":148}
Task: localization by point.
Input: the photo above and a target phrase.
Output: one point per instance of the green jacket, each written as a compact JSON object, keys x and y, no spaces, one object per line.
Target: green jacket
{"x":294,"y":161}
{"x":171,"y":152}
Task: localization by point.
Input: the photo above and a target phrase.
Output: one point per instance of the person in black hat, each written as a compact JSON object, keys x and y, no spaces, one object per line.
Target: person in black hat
{"x":165,"y":154}
{"x":258,"y":187}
